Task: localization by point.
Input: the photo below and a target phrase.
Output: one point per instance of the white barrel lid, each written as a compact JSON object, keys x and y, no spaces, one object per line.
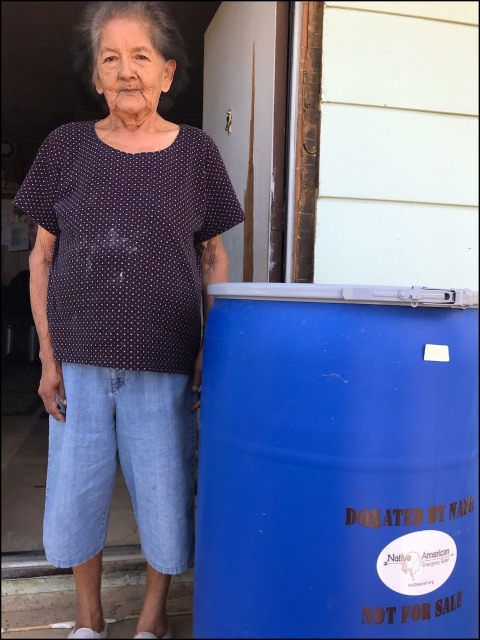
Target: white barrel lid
{"x":351,"y":293}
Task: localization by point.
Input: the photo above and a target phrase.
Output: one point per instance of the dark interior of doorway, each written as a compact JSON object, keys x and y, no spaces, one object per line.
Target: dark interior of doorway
{"x":39,"y":93}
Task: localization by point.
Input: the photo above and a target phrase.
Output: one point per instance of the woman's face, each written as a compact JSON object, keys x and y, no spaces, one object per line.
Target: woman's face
{"x":130,"y":72}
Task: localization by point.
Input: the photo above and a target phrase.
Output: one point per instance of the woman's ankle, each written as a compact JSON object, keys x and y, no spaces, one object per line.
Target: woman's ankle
{"x":90,"y":620}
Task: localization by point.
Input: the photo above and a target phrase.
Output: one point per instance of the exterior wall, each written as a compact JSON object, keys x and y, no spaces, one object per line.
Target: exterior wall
{"x":398,"y":167}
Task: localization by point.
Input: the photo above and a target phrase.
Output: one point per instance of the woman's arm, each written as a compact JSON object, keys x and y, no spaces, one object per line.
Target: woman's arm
{"x":51,"y":381}
{"x":214,"y":266}
{"x":214,"y":263}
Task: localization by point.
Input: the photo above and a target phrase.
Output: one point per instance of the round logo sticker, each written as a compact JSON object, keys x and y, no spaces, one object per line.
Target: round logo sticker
{"x":418,"y":562}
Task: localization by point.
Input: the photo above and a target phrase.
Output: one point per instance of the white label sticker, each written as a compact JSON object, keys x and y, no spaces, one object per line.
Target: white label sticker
{"x":418,"y":562}
{"x":436,"y":352}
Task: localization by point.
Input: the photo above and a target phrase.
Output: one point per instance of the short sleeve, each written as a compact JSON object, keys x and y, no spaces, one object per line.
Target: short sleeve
{"x":222,"y":208}
{"x":36,"y":196}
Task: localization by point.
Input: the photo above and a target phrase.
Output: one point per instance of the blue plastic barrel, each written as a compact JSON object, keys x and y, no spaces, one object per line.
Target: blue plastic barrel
{"x":338,"y":464}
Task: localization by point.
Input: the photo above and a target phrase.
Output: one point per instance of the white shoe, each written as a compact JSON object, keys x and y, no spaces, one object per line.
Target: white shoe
{"x":85,"y":633}
{"x":151,"y":636}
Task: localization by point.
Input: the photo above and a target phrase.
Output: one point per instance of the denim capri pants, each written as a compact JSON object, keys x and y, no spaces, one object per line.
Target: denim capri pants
{"x":147,"y":418}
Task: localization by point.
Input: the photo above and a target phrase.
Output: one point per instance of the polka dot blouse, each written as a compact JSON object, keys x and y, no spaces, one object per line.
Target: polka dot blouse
{"x":125,"y":282}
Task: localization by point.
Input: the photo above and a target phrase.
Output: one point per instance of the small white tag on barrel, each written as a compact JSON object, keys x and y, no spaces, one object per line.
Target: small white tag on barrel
{"x":436,"y":353}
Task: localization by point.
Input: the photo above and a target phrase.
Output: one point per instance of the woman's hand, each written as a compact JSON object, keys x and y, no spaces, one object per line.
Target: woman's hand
{"x":197,"y":378}
{"x":51,"y":386}
{"x":214,"y":268}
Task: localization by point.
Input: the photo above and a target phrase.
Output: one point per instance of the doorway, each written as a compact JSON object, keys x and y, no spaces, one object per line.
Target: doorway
{"x":37,"y":102}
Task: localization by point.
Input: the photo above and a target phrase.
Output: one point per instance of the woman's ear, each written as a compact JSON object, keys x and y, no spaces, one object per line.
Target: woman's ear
{"x":168,"y":73}
{"x":98,"y":86}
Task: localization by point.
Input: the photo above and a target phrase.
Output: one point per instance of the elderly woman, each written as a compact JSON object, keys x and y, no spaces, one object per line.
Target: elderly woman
{"x":130,"y":211}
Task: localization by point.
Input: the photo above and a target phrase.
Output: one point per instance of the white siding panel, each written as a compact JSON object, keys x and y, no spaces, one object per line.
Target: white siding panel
{"x":394,"y":61}
{"x":393,"y":244}
{"x":389,"y":154}
{"x":454,"y":11}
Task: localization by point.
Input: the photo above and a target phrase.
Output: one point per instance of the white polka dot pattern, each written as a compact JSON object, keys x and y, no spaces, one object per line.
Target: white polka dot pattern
{"x":125,"y":280}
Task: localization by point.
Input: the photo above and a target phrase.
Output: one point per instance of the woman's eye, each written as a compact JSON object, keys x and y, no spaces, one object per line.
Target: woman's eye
{"x":109,"y":59}
{"x":142,"y":57}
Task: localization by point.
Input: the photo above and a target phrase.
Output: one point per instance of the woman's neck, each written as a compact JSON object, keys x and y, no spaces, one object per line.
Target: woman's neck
{"x":133,"y":123}
{"x":155,"y":134}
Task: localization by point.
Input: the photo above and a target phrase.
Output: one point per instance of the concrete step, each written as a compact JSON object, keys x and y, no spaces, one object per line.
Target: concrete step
{"x":32,"y":605}
{"x":181,"y":626}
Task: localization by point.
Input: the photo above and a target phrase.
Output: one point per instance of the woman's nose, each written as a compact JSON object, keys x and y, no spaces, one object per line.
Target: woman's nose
{"x":126,"y":68}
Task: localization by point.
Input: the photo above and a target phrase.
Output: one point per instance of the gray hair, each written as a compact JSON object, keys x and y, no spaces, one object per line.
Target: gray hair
{"x":164,"y":33}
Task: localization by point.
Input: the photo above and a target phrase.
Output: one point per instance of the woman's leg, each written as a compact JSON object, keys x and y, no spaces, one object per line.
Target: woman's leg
{"x":81,"y":473}
{"x":153,"y":616}
{"x":88,"y":583}
{"x":156,"y":446}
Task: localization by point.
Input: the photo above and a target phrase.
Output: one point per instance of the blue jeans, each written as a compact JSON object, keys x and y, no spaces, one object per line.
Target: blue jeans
{"x":147,"y":418}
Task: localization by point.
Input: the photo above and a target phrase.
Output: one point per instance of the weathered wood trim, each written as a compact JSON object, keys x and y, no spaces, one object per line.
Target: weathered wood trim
{"x":250,"y":190}
{"x":307,"y":152}
{"x":278,"y":205}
